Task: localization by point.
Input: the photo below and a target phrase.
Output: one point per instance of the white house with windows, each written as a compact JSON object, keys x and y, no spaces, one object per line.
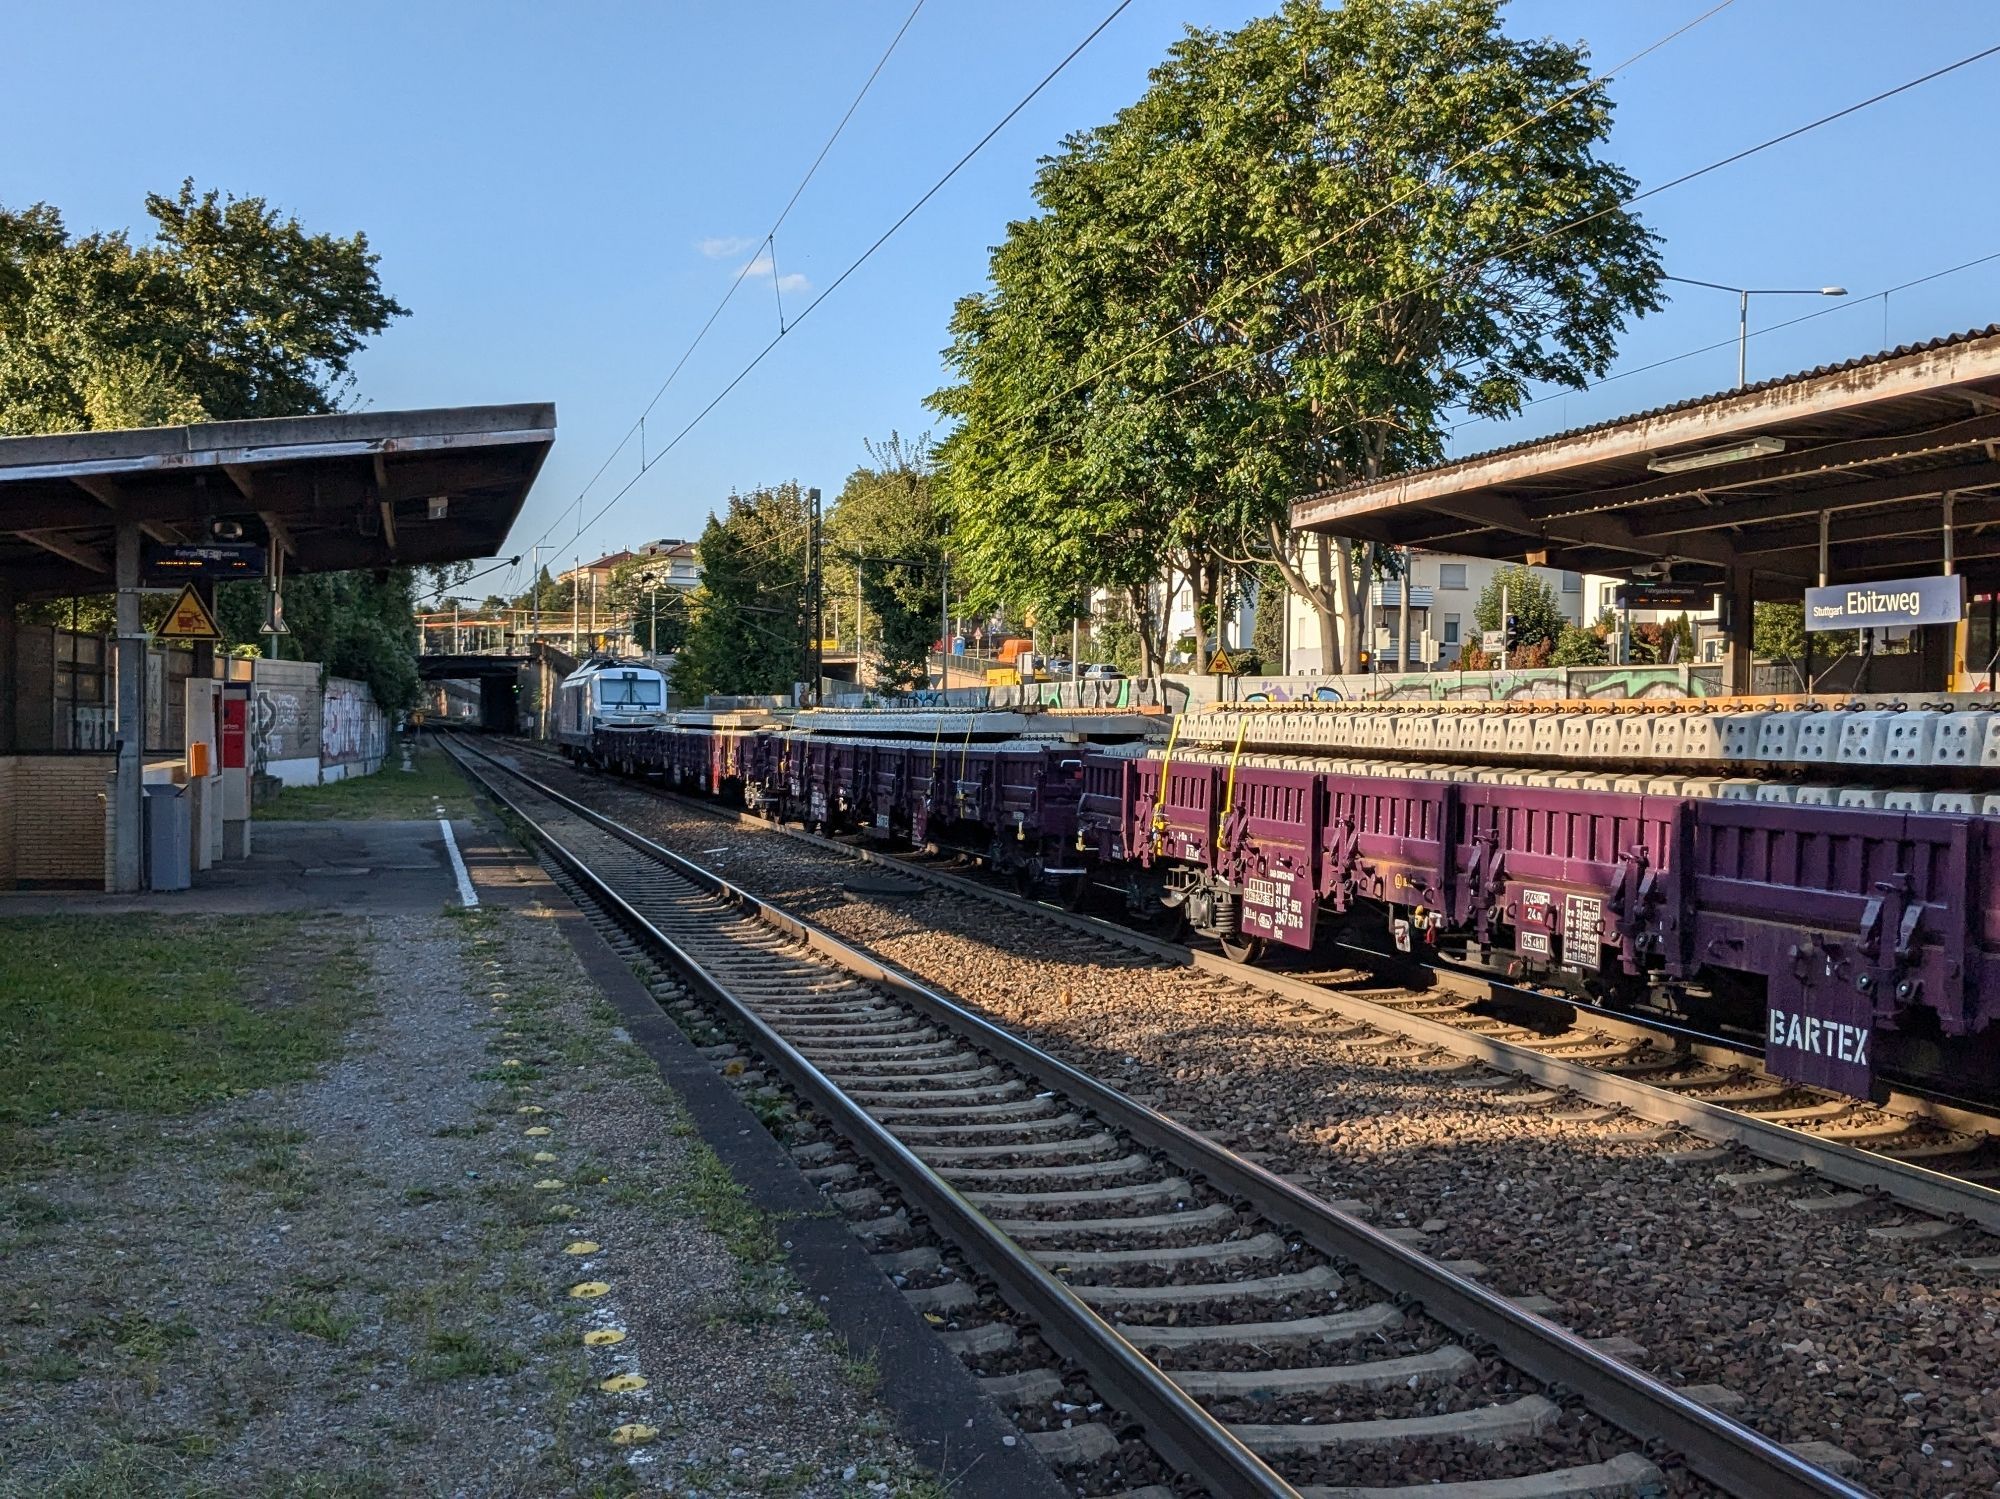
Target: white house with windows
{"x":1444,"y":595}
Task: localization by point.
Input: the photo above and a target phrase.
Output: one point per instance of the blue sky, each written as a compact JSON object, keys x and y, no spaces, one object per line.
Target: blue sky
{"x":560,"y":195}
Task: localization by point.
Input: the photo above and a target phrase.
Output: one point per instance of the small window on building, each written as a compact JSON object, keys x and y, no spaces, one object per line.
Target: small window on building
{"x":1572,"y":582}
{"x":1451,"y":575}
{"x":1451,"y":628}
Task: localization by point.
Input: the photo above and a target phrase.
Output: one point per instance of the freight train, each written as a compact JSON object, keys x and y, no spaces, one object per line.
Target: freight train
{"x":1828,"y":878}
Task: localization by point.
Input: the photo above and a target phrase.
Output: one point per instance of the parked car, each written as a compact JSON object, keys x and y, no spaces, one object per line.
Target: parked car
{"x":1099,"y":671}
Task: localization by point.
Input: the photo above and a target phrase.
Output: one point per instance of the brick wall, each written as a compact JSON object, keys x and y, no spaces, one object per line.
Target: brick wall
{"x":7,"y":822}
{"x":52,"y":819}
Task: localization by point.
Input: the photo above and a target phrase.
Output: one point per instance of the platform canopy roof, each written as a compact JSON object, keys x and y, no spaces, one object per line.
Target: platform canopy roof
{"x":363,"y":489}
{"x":1737,"y":481}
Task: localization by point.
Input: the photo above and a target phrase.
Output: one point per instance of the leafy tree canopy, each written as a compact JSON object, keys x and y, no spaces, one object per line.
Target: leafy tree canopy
{"x":1538,"y":615}
{"x":1309,"y":244}
{"x":232,"y":310}
{"x":746,"y":633}
{"x":888,"y":525}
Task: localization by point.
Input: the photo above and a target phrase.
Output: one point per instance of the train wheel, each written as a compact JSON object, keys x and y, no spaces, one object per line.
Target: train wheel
{"x":1240,"y":949}
{"x":1074,"y":892}
{"x":1167,"y":924}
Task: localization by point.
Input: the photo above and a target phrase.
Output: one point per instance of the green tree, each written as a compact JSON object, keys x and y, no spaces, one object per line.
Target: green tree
{"x":888,"y":525}
{"x":232,"y":310}
{"x":1267,"y":637}
{"x":1311,"y":243}
{"x":1538,"y":615}
{"x":1578,"y":645}
{"x":746,"y":631}
{"x":655,"y":613}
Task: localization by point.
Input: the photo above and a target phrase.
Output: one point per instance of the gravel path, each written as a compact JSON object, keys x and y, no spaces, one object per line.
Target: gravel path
{"x":1886,"y":1349}
{"x":386,"y":1280}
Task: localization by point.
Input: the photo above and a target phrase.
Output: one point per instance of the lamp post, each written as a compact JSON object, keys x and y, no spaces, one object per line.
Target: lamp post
{"x":653,"y":623}
{"x":1743,"y":296}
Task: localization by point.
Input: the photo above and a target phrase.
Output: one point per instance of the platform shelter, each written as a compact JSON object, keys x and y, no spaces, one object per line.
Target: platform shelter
{"x":1884,"y":469}
{"x":85,"y":512}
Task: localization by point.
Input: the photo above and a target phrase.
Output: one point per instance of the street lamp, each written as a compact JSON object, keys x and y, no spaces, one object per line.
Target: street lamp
{"x":653,"y":634}
{"x":1743,"y":296}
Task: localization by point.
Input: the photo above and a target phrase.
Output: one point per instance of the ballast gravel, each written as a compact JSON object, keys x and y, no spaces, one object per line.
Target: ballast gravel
{"x":1887,"y":1350}
{"x":415,"y":1272}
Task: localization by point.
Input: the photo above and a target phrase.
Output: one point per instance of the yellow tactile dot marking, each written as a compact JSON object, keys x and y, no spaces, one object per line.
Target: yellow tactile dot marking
{"x":633,"y":1433}
{"x":589,"y":1290}
{"x":603,"y":1337}
{"x":620,"y":1384}
{"x":536,"y":1131}
{"x":582,"y":1246}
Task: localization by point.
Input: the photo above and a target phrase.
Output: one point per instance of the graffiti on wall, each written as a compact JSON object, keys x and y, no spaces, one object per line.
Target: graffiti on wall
{"x":352,"y":730}
{"x":284,"y":723}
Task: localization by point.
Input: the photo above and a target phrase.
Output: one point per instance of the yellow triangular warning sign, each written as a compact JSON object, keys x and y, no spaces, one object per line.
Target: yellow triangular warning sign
{"x":1220,"y":666}
{"x":189,"y":619}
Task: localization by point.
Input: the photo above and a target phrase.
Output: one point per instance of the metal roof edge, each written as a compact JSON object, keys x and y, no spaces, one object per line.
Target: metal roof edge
{"x":1710,"y":416}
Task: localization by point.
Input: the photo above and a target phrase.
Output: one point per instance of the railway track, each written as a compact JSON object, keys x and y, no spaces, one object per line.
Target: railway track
{"x":1917,"y":1152}
{"x":1261,"y":1340}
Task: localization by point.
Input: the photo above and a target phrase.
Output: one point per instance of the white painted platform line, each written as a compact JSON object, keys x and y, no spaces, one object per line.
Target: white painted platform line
{"x":467,"y":896}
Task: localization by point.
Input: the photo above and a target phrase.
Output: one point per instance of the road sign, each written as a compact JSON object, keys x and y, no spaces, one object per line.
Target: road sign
{"x":1219,"y":665}
{"x":207,"y":560}
{"x":189,"y":619}
{"x":1493,"y":642}
{"x":1899,"y":601}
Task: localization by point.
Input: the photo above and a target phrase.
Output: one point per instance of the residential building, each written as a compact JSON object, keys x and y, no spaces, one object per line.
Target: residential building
{"x":671,"y":562}
{"x":1444,"y":598}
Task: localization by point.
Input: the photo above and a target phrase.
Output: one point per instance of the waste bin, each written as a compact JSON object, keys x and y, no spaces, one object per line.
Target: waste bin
{"x":168,"y":836}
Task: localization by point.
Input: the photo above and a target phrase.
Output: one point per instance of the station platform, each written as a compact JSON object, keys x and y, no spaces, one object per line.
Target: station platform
{"x":353,"y":868}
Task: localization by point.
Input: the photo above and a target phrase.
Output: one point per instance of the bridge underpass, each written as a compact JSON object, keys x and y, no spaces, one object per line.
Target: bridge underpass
{"x":498,"y":678}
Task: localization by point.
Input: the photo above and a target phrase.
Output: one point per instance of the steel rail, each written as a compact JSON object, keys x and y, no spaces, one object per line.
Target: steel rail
{"x":1903,"y":1182}
{"x":1729,"y":1454}
{"x":1178,"y":1427}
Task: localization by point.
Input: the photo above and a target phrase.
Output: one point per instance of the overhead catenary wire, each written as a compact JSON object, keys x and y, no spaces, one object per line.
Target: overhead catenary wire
{"x":863,"y":258}
{"x":1849,"y":305}
{"x":770,"y":240}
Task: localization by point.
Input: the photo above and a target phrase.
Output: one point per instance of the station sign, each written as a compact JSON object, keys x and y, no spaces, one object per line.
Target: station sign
{"x":1688,"y":596}
{"x":1897,"y":601}
{"x":206,"y":561}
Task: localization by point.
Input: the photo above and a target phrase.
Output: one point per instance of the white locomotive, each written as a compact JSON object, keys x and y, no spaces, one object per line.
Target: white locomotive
{"x":606,"y":694}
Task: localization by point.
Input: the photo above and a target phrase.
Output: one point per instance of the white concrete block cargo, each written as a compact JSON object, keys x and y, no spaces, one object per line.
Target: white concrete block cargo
{"x":1778,"y":735}
{"x":1960,"y":738}
{"x":1864,"y":737}
{"x":1740,"y":736}
{"x":1701,"y":737}
{"x":1634,"y":735}
{"x":1816,"y":739}
{"x":1911,"y":736}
